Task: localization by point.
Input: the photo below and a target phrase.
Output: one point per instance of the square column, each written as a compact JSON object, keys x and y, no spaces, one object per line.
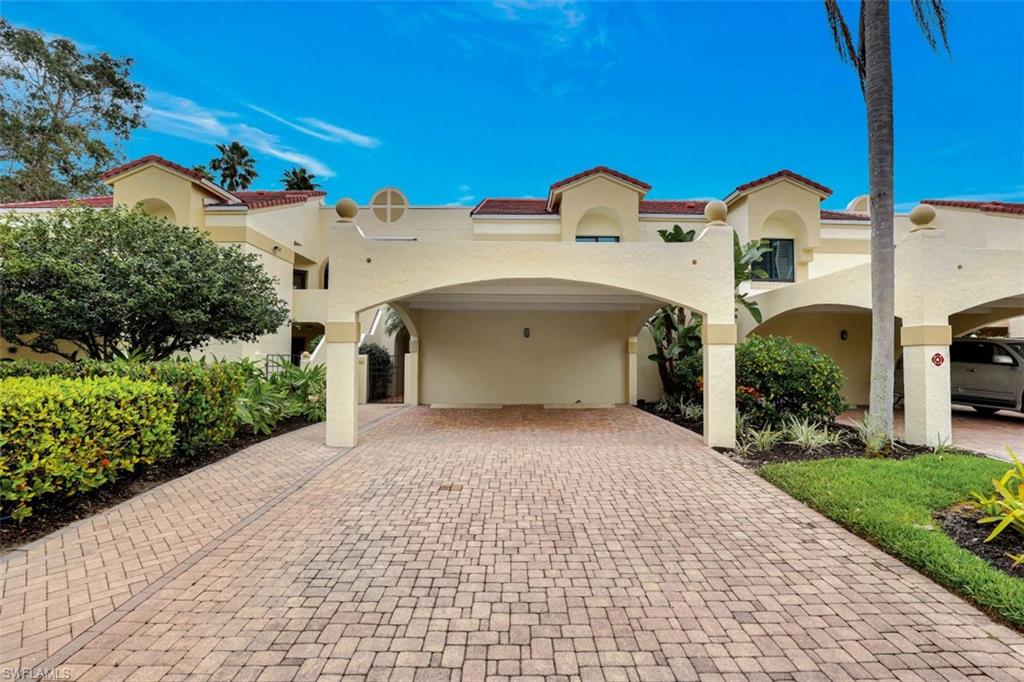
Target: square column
{"x":631,"y":390}
{"x":342,"y":346}
{"x":363,"y":376}
{"x":719,"y":384}
{"x":926,"y":384}
{"x":412,"y":373}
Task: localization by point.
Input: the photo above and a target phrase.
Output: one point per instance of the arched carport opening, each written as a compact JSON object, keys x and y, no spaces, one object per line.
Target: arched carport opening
{"x":549,"y":342}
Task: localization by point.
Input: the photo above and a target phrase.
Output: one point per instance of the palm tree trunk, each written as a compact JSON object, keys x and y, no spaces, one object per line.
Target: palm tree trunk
{"x":878,"y":96}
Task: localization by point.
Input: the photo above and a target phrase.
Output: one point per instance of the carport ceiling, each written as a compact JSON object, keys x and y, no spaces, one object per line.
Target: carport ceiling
{"x":530,"y":294}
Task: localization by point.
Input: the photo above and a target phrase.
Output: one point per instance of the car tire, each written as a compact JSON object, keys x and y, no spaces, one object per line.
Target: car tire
{"x":987,"y":411}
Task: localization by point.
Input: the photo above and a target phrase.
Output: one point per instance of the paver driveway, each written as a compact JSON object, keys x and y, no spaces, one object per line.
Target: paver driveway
{"x":602,"y":544}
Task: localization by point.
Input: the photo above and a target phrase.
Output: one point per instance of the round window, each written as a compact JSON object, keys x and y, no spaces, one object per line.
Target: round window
{"x":388,"y":205}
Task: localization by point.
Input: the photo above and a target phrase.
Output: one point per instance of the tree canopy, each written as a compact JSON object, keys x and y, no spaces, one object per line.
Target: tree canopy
{"x":114,"y":283}
{"x":236,"y":166}
{"x":299,"y":178}
{"x":62,"y":114}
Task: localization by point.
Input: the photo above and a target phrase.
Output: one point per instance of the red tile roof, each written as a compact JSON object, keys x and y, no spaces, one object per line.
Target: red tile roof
{"x":988,"y":206}
{"x":264,"y":199}
{"x":843,"y":215}
{"x":96,"y":202}
{"x":673,"y":206}
{"x":151,"y":158}
{"x":784,"y":173}
{"x":601,"y":169}
{"x":512,"y":207}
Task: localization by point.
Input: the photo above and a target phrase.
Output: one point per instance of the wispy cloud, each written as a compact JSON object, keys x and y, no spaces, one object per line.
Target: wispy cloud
{"x":466,"y":197}
{"x":184,"y":118}
{"x":325,"y":131}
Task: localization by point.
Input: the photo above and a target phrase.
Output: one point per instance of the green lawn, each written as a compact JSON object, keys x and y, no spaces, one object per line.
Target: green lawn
{"x":891,"y":503}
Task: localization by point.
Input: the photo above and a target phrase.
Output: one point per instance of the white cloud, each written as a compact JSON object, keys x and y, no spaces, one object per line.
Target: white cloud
{"x":338,"y":134}
{"x":182,"y":117}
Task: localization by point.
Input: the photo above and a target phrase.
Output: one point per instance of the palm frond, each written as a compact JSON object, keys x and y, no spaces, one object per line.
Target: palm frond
{"x":843,"y":38}
{"x":932,"y":17}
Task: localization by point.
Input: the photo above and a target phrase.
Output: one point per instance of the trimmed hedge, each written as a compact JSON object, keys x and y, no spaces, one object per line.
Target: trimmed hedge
{"x":72,"y":435}
{"x":205,"y":392}
{"x":776,"y":378}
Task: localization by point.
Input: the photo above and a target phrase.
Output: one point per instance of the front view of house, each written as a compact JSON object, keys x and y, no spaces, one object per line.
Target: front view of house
{"x":543,"y":300}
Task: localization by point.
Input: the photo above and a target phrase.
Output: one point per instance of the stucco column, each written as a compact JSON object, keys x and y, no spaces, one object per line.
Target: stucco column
{"x":1017,"y":327}
{"x":719,"y":384}
{"x":631,"y":386}
{"x":926,"y":334}
{"x":342,"y":339}
{"x":412,"y":372}
{"x":926,"y":385}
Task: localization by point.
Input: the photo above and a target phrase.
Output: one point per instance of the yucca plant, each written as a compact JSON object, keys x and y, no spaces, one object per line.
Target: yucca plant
{"x":876,"y":441}
{"x":1005,"y":507}
{"x":691,"y":412}
{"x":809,"y":435}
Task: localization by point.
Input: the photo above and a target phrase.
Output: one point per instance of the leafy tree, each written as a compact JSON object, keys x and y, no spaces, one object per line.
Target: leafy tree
{"x":119,"y":283}
{"x":236,"y":166}
{"x":676,"y":332}
{"x":299,"y":178}
{"x":62,"y":114}
{"x":871,"y":56}
{"x":393,"y":322}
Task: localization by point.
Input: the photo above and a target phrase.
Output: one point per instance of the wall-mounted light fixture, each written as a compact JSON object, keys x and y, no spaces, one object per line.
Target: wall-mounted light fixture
{"x":526,"y":332}
{"x":843,"y":334}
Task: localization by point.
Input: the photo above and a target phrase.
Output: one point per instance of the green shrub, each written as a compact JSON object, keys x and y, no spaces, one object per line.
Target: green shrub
{"x":1005,"y":508}
{"x":379,"y":366}
{"x":71,"y":435}
{"x":205,"y":392}
{"x":788,"y":379}
{"x":776,"y":379}
{"x":290,"y":391}
{"x":306,"y":388}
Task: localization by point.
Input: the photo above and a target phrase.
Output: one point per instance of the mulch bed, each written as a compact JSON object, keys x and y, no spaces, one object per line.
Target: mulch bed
{"x":786,"y":452}
{"x":54,"y":513}
{"x":961,"y":524}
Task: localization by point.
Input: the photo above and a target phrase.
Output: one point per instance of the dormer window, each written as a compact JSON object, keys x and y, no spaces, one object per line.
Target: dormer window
{"x":777,"y":263}
{"x":598,"y":240}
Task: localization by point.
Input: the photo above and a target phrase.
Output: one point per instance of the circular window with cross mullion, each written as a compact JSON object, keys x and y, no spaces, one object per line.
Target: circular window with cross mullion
{"x":388,"y":205}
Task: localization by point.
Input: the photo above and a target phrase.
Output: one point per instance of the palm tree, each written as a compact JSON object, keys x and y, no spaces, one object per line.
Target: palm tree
{"x":236,"y":166}
{"x":393,"y":322}
{"x":871,"y":56}
{"x":201,"y":169}
{"x":298,"y":178}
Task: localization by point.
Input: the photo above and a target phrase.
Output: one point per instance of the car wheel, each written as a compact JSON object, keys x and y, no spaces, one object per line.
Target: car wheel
{"x":985,"y":410}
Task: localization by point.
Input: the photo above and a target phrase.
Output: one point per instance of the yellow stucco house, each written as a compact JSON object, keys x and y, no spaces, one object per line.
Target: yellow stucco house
{"x":543,"y":300}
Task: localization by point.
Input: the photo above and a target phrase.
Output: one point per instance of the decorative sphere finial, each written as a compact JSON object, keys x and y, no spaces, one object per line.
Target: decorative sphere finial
{"x":346,"y":209}
{"x":922,"y":215}
{"x":716,"y":211}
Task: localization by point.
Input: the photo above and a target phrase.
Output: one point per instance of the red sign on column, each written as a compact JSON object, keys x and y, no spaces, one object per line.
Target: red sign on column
{"x":938,"y":359}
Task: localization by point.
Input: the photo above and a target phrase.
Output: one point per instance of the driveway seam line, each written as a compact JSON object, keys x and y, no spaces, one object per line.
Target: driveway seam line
{"x":61,"y":656}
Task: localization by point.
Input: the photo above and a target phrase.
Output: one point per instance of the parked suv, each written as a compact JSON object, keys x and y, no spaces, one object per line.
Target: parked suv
{"x":987,"y":374}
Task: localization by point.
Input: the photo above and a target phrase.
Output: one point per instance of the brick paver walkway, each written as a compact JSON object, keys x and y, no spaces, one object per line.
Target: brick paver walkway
{"x":455,"y":545}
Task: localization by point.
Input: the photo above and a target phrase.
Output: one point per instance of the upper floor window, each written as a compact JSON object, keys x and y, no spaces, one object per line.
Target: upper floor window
{"x":777,"y":263}
{"x":598,"y":240}
{"x":299,"y":279}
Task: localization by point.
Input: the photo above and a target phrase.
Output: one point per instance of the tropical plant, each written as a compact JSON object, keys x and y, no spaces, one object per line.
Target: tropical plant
{"x":763,"y":439}
{"x":393,"y":322}
{"x":306,"y":388}
{"x":63,"y":112}
{"x":1005,"y":507}
{"x":298,"y":178}
{"x":691,"y":412}
{"x":677,"y":234}
{"x":118,"y":283}
{"x":236,"y":166}
{"x":871,"y":57}
{"x":744,"y":258}
{"x":874,"y":438}
{"x":810,"y":435}
{"x":261,"y":405}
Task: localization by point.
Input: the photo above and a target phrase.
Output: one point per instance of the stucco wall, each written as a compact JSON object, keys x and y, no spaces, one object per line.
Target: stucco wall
{"x":481,"y":357}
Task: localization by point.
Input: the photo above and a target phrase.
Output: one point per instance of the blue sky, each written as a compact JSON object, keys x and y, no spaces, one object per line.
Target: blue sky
{"x":456,"y":102}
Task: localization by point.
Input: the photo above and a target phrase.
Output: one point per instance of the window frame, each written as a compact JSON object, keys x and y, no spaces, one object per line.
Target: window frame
{"x":760,"y":263}
{"x":597,"y":239}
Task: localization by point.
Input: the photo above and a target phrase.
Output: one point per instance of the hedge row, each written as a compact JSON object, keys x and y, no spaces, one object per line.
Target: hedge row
{"x":70,"y":435}
{"x":205,"y":392}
